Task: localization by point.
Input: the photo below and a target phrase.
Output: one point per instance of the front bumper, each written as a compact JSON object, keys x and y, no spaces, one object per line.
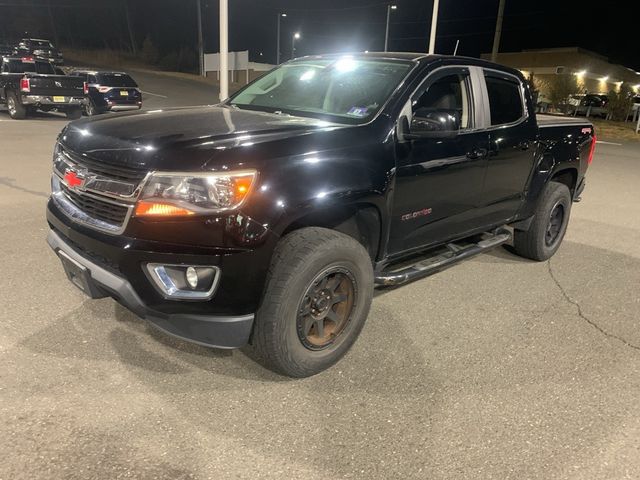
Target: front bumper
{"x":209,"y":330}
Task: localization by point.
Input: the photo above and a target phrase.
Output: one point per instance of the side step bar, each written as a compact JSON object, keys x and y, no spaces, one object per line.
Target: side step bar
{"x":430,"y":265}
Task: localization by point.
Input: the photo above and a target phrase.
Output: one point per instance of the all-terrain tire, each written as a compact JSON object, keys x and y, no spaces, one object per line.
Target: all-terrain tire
{"x":299,"y":262}
{"x":544,"y":236}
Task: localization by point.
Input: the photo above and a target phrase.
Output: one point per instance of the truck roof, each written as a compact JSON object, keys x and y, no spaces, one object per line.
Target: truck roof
{"x":421,"y":57}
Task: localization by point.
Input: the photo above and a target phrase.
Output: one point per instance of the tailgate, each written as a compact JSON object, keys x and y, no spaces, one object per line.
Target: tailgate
{"x":59,"y":85}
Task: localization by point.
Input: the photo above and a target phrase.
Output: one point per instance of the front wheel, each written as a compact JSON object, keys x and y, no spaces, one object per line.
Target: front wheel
{"x":549,"y":225}
{"x":317,"y":298}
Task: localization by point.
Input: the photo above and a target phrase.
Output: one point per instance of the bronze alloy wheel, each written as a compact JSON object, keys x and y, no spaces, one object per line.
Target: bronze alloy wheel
{"x":326,"y":308}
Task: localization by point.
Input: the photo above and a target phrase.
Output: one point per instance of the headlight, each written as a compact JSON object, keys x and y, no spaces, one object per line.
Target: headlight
{"x":172,"y":194}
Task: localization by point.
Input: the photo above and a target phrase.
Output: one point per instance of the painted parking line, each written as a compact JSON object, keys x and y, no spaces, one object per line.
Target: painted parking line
{"x":154,"y":94}
{"x":608,"y":143}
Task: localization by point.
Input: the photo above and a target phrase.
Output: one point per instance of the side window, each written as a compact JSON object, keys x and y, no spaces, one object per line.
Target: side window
{"x":450,"y":94}
{"x":92,"y":79}
{"x":505,"y":99}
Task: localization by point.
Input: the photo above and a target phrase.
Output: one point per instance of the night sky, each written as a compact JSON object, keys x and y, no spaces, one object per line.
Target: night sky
{"x":611,"y":29}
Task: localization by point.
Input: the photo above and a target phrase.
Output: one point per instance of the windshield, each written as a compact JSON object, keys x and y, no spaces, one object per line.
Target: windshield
{"x":116,"y":80}
{"x":18,"y":66}
{"x":344,"y":90}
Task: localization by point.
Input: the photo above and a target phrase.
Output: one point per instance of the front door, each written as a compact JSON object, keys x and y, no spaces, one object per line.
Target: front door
{"x":439,"y":179}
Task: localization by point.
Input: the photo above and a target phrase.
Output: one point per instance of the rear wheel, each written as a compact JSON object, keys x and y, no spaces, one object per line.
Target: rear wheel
{"x":316,"y":301}
{"x":90,"y":109}
{"x":17,"y":111}
{"x":549,"y":225}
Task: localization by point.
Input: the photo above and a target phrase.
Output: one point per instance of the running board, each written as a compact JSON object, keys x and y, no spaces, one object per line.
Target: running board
{"x":430,"y":265}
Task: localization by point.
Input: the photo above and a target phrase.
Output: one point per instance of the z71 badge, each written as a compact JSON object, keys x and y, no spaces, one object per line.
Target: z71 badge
{"x":420,"y":213}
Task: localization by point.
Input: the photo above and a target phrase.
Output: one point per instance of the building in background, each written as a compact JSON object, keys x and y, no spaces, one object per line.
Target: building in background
{"x":594,"y":72}
{"x":241,"y":70}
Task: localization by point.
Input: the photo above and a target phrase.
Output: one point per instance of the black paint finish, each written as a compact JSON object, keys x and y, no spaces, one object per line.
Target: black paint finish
{"x":311,"y":172}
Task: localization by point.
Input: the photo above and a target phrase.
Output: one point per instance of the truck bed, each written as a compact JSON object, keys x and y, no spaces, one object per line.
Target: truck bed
{"x":545,"y":120}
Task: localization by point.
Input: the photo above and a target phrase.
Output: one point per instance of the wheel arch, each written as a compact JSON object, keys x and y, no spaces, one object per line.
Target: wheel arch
{"x":567,"y":176}
{"x":361,"y":221}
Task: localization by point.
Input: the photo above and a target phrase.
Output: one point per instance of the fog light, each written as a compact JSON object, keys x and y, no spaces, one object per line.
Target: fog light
{"x":192,"y":277}
{"x":184,"y":282}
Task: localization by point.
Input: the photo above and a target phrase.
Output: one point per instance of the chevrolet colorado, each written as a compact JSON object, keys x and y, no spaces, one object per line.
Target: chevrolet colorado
{"x":28,"y":84}
{"x":268,"y":219}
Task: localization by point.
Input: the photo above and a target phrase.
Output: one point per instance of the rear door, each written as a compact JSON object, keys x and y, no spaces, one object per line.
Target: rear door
{"x":439,"y":180}
{"x":512,"y":136}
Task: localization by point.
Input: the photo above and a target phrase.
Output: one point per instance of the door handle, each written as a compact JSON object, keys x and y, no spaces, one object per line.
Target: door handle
{"x":524,"y":145}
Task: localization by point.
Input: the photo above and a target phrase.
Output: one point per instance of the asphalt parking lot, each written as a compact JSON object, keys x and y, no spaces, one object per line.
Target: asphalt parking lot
{"x":496,"y":368}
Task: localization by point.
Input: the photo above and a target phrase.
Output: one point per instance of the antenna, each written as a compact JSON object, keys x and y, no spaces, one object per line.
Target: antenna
{"x":455,"y":50}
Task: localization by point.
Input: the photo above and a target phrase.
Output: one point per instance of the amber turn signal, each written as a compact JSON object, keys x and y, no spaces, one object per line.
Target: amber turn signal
{"x":155,"y":209}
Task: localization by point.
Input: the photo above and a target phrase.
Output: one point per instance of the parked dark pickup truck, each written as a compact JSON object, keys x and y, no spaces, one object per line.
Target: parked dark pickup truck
{"x":268,"y":219}
{"x":28,"y":84}
{"x":40,"y":48}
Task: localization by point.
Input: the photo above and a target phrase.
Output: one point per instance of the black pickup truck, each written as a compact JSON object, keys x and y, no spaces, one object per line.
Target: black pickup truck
{"x":28,"y":84}
{"x":268,"y":219}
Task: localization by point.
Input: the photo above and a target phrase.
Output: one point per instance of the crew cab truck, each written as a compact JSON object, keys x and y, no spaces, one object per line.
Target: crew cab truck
{"x":28,"y":84}
{"x":268,"y":219}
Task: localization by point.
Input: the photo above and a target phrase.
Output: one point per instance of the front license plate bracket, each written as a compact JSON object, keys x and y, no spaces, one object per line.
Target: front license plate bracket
{"x":80,"y":276}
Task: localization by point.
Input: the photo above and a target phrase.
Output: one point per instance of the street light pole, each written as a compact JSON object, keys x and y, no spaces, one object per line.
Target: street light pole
{"x":496,"y":37}
{"x":434,"y":25}
{"x":386,"y":33}
{"x":280,"y":15}
{"x":295,"y":37}
{"x":224,"y":49}
{"x":200,"y":43}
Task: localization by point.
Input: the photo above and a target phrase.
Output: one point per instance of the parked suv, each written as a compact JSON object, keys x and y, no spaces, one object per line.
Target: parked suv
{"x":110,"y":91}
{"x":39,"y":48}
{"x":589,"y":104}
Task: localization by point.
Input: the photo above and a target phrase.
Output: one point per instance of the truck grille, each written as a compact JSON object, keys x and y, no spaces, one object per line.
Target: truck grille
{"x":94,"y":193}
{"x":97,"y":208}
{"x":121,"y":173}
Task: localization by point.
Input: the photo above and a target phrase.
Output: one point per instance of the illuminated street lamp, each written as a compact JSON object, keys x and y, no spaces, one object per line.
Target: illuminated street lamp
{"x":386,"y":34}
{"x":296,"y":36}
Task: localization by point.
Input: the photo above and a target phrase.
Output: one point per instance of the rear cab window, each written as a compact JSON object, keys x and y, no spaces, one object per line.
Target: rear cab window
{"x":506,"y":100}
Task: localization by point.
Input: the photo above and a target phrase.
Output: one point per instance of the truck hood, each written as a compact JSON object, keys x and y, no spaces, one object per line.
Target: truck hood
{"x":182,"y":138}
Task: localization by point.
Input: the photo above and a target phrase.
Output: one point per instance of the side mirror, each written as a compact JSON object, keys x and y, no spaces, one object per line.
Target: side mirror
{"x":434,"y":123}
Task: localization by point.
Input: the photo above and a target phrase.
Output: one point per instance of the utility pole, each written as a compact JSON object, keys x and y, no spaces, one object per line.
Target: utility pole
{"x":53,"y":23}
{"x":224,"y":49}
{"x":386,"y":33}
{"x":434,"y":26}
{"x":496,"y":37}
{"x":132,"y":39}
{"x":280,"y":16}
{"x":200,"y":43}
